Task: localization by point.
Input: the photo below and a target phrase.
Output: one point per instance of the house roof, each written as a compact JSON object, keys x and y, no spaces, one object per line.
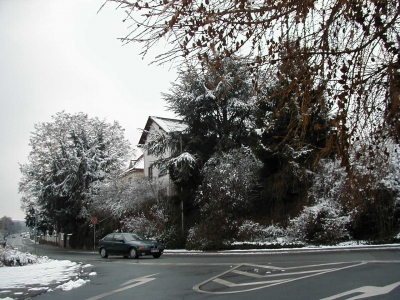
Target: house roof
{"x":137,"y":163}
{"x":167,"y":125}
{"x":134,"y":166}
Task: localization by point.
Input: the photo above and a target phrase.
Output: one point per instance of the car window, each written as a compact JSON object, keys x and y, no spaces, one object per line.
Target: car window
{"x":118,"y":237}
{"x":133,"y":237}
{"x":109,"y":237}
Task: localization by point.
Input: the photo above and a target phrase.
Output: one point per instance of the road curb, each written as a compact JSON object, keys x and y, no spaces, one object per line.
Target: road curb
{"x":283,"y":250}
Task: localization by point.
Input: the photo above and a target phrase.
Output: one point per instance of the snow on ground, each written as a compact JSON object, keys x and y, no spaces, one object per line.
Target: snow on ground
{"x":37,"y":273}
{"x":44,"y":274}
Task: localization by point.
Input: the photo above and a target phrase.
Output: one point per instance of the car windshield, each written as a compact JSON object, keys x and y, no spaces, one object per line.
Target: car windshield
{"x":133,"y":237}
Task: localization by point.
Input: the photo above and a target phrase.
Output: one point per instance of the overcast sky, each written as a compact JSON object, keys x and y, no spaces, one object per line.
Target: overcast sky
{"x":60,"y":55}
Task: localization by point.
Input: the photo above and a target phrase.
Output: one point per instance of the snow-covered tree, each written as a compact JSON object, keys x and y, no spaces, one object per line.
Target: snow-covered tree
{"x":225,"y":195}
{"x":120,"y":199}
{"x":217,"y":103}
{"x":69,"y":156}
{"x":374,"y":187}
{"x":6,"y":225}
{"x":288,"y":143}
{"x":138,"y":206}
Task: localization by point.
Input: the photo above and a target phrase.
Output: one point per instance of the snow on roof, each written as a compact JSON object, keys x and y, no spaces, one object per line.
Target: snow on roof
{"x":139,"y":164}
{"x":167,"y":125}
{"x":134,"y":165}
{"x":170,"y":125}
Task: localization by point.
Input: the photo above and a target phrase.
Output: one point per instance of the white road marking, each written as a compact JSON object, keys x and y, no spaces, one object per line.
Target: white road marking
{"x":281,"y":274}
{"x":138,"y":281}
{"x":264,"y":267}
{"x":366,"y":292}
{"x":248,"y":274}
{"x":231,"y":284}
{"x":267,"y":284}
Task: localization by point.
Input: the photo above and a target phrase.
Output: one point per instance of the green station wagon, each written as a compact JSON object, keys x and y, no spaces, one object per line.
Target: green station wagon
{"x":128,"y":245}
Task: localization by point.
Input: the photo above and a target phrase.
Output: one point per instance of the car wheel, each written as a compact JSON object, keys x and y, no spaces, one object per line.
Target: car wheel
{"x":156,"y":255}
{"x":133,"y":252}
{"x":103,"y":253}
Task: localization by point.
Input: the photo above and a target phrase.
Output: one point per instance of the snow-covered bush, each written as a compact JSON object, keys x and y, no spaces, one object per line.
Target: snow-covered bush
{"x":171,"y":237}
{"x":10,"y":257}
{"x":196,"y":239}
{"x":250,"y":231}
{"x":325,"y":222}
{"x":212,"y":235}
{"x":139,"y":224}
{"x":375,"y":217}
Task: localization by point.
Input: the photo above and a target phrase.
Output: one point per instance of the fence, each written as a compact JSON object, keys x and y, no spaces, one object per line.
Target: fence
{"x":60,"y":239}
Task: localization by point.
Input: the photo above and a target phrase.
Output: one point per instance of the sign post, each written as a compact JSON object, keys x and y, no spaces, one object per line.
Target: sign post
{"x":94,"y":222}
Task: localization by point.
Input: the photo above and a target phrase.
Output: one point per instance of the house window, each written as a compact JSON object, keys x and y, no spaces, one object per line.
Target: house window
{"x":151,"y":172}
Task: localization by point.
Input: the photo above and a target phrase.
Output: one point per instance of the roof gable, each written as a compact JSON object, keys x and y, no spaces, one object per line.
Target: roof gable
{"x":165,"y":124}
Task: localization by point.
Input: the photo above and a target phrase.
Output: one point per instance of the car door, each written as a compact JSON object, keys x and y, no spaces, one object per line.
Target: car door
{"x":107,"y":242}
{"x":119,"y":246}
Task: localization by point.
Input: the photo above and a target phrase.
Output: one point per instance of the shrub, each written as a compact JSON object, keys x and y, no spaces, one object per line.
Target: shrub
{"x":204,"y":237}
{"x":250,"y":231}
{"x":325,"y":222}
{"x":376,"y":217}
{"x":10,"y":257}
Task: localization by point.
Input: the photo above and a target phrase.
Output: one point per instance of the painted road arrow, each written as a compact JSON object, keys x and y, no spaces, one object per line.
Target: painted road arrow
{"x":127,"y":285}
{"x":366,"y":291}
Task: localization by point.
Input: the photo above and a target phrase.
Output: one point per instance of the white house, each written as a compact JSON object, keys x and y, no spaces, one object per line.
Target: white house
{"x":159,"y":126}
{"x":135,"y":170}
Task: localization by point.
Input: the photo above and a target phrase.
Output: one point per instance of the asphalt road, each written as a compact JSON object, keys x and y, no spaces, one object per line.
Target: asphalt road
{"x":372,"y":273}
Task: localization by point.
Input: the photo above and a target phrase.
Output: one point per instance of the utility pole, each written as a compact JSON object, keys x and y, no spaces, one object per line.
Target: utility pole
{"x":35,"y":233}
{"x":180,"y":139}
{"x":94,"y":222}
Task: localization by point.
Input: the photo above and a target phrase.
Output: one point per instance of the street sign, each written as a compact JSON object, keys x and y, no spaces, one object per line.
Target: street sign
{"x":94,"y":220}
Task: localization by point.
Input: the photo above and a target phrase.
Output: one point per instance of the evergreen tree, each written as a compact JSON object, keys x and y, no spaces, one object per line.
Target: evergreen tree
{"x":293,"y":131}
{"x":68,"y":157}
{"x":217,"y":104}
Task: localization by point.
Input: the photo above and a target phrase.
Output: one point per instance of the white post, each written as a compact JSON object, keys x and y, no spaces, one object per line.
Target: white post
{"x":180,"y":140}
{"x":35,"y":233}
{"x":182,"y":214}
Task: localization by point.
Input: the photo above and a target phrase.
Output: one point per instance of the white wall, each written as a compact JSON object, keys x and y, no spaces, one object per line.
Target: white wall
{"x":164,"y":180}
